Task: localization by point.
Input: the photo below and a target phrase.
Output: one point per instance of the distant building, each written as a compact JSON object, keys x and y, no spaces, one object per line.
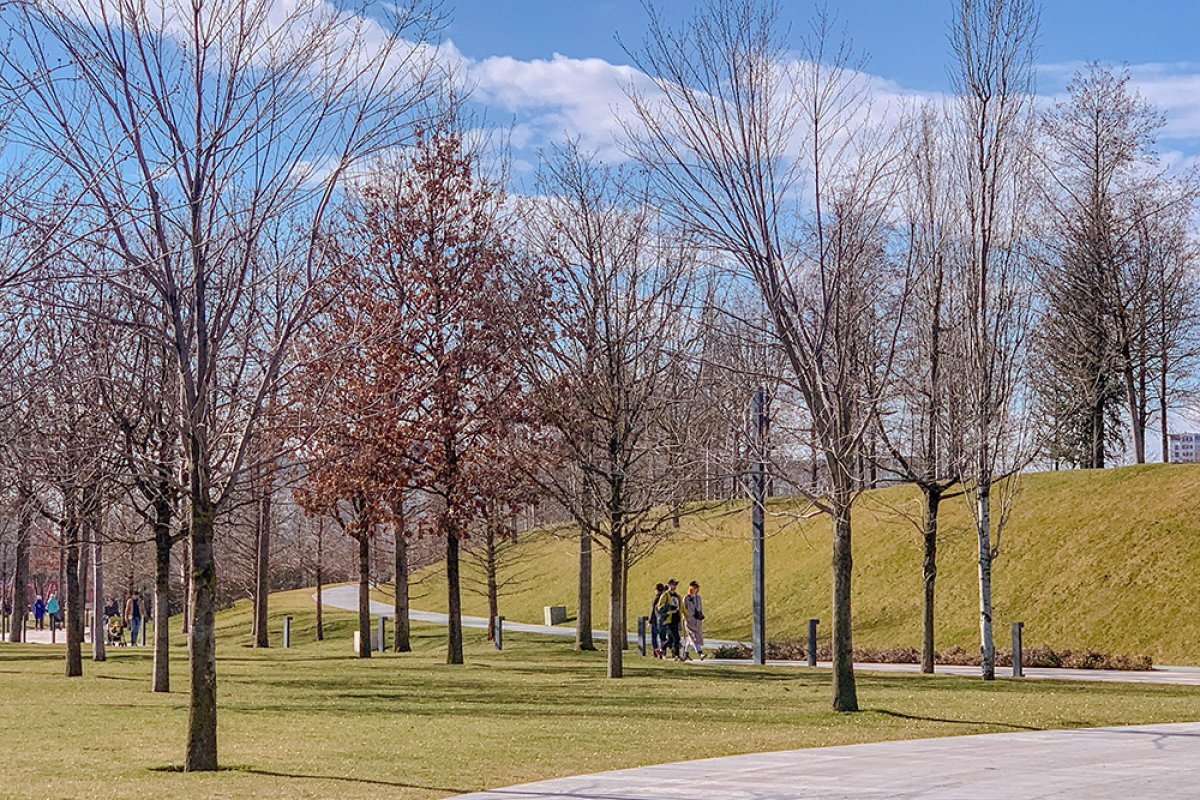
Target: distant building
{"x":1185,"y":448}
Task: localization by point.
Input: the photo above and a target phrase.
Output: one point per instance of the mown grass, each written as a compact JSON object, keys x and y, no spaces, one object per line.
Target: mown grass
{"x":1104,"y":559}
{"x":314,"y":722}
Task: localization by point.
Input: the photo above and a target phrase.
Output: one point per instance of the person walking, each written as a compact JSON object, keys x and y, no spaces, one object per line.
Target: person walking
{"x":133,"y":616}
{"x":693,"y":615}
{"x":39,"y":612}
{"x":52,"y":609}
{"x":668,"y":612}
{"x":656,"y":629}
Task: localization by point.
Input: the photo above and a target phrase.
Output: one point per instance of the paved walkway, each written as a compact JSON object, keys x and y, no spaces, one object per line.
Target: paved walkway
{"x":1152,"y":761}
{"x":346,"y":598}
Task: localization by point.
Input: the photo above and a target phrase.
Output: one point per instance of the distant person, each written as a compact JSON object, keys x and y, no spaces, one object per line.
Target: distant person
{"x":39,"y":612}
{"x":133,"y":616}
{"x":52,"y":609}
{"x":656,"y":629}
{"x":668,"y":612}
{"x":693,"y":620}
{"x":112,"y":608}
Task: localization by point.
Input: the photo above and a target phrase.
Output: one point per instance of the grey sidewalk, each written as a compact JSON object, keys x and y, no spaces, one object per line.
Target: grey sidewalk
{"x":1152,"y":761}
{"x":346,"y":599}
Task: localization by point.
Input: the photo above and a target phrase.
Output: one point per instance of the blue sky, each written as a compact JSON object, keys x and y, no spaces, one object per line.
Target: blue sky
{"x":905,"y":39}
{"x":554,"y":67}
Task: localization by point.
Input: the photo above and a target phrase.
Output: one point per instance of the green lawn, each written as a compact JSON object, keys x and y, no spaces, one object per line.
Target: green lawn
{"x":1102,"y":558}
{"x":313,"y":722}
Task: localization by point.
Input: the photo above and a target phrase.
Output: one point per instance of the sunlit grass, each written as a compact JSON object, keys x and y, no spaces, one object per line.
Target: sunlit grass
{"x":314,"y":722}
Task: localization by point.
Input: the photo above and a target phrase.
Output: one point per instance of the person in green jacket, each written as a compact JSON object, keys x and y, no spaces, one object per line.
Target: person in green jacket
{"x":668,"y":613}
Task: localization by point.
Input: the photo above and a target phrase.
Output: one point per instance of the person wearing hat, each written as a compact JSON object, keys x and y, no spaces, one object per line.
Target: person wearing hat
{"x":693,"y":620}
{"x":669,"y":607}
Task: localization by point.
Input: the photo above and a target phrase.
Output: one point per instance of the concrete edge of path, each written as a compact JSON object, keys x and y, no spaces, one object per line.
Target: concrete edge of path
{"x":1159,"y":761}
{"x":345,"y":598}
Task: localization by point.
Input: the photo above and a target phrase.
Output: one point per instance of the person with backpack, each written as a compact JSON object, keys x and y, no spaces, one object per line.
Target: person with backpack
{"x":52,"y":610}
{"x":656,"y":630}
{"x":39,"y":612}
{"x":693,"y":615}
{"x":668,"y":613}
{"x":133,"y":616}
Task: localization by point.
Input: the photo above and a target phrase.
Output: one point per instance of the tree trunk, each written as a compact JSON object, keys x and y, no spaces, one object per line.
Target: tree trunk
{"x":616,"y":614}
{"x":1098,"y":436}
{"x":185,"y":574}
{"x":933,"y":497}
{"x":319,"y":577}
{"x":21,"y":565}
{"x":262,"y":569}
{"x":493,"y":590}
{"x":364,"y":595}
{"x":161,"y":680}
{"x":1137,"y":428}
{"x":625,"y":603}
{"x":1163,"y":408}
{"x":99,"y":623}
{"x":202,"y":640}
{"x":845,"y":693}
{"x":403,"y":643}
{"x":74,"y":597}
{"x":987,"y":647}
{"x":583,"y":618}
{"x":454,"y":650}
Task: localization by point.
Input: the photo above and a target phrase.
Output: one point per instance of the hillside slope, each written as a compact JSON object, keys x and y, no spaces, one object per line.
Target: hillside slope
{"x":1107,"y":559}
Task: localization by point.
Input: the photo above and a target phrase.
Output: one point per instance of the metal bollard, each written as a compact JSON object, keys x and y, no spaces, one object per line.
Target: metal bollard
{"x":383,"y":634}
{"x":641,"y":633}
{"x":812,"y":642}
{"x":498,"y":632}
{"x":287,"y":631}
{"x":1018,"y":667}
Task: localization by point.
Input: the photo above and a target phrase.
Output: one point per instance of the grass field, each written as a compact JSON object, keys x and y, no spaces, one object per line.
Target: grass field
{"x":314,"y":722}
{"x":1106,"y":559}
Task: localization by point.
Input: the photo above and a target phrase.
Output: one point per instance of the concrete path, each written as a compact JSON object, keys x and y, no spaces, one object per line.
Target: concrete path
{"x":346,"y":599}
{"x":1178,"y":676}
{"x":1152,"y":761}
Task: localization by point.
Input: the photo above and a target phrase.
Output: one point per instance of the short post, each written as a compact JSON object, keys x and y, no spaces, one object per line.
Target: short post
{"x":642,"y":635}
{"x":812,"y":642}
{"x":287,"y":631}
{"x":383,"y":634}
{"x":1017,"y":655}
{"x":498,"y":631}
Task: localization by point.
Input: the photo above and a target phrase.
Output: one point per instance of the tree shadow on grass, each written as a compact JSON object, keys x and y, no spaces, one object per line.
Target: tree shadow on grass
{"x":339,"y":778}
{"x":920,"y":718}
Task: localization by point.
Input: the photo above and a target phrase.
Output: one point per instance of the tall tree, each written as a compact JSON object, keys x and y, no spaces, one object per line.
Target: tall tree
{"x":768,"y":160}
{"x":619,"y":318}
{"x":245,"y":120}
{"x":993,"y":44}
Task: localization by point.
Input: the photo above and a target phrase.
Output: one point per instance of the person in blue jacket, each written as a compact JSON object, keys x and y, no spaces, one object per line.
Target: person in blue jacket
{"x":39,"y":612}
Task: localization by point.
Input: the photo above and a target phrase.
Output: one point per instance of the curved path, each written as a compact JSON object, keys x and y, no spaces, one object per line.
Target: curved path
{"x":345,"y":597}
{"x":1151,"y":761}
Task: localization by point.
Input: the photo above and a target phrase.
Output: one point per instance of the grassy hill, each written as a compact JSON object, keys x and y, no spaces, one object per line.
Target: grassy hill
{"x":1107,"y":559}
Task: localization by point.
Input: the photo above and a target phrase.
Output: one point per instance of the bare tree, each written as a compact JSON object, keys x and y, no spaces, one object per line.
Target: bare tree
{"x":199,"y":134}
{"x":993,"y":43}
{"x":620,"y":313}
{"x":770,"y":161}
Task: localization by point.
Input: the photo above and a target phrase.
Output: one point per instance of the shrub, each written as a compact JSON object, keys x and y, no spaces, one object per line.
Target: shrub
{"x":1044,"y":656}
